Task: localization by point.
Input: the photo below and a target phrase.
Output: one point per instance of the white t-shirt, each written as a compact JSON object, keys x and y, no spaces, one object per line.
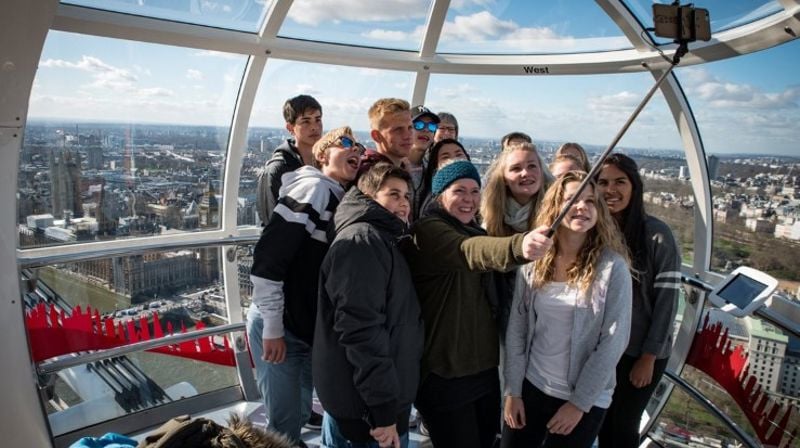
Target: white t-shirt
{"x":548,"y":364}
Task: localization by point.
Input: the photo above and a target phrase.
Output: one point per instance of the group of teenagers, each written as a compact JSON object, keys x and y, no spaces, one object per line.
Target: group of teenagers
{"x":395,"y":277}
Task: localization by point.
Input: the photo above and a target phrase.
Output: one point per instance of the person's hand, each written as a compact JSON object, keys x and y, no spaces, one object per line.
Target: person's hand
{"x":386,"y":436}
{"x":514,"y":413}
{"x":565,"y":420}
{"x":642,"y":372}
{"x":536,"y":243}
{"x":274,"y":350}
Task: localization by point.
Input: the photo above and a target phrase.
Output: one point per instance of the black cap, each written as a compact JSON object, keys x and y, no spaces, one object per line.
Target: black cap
{"x":422,"y":111}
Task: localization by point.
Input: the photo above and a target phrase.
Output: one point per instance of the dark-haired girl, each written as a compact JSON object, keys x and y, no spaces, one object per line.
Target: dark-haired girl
{"x":440,"y":153}
{"x":657,"y":280}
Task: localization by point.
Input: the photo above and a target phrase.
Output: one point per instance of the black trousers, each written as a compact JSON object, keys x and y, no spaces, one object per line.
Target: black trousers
{"x":461,"y":412}
{"x":621,"y":426}
{"x":539,"y":409}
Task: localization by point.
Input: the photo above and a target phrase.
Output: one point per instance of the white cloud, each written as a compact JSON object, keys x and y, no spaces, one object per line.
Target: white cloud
{"x":307,"y":89}
{"x":92,"y":65}
{"x":195,"y":75}
{"x":142,"y":70}
{"x":722,"y":94}
{"x":104,"y":76}
{"x":388,"y":35}
{"x":370,"y":72}
{"x":217,"y":54}
{"x":156,"y":92}
{"x":477,"y":27}
{"x":616,"y":102}
{"x":482,"y":31}
{"x":315,"y":12}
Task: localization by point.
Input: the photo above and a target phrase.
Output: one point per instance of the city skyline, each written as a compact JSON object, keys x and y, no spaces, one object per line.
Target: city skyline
{"x":746,"y":104}
{"x":80,"y":126}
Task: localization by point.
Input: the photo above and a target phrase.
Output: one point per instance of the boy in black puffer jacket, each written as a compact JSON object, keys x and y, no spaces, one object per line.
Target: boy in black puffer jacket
{"x":369,"y":334}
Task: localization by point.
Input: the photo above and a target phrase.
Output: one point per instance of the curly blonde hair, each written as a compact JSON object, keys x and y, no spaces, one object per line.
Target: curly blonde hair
{"x":604,"y":235}
{"x":495,"y":194}
{"x":331,"y":138}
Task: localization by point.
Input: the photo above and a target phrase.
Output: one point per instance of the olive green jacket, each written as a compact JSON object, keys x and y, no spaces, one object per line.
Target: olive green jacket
{"x":449,"y":263}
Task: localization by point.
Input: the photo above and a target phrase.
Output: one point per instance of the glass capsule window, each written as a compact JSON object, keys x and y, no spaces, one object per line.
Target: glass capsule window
{"x":747,"y":112}
{"x":529,"y":28}
{"x":240,"y":15}
{"x":586,"y":110}
{"x":393,"y":24}
{"x":124,"y":139}
{"x":724,"y":15}
{"x":345,"y":94}
{"x":99,"y":304}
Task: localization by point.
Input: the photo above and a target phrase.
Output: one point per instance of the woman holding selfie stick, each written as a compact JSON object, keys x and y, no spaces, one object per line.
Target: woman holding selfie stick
{"x":569,"y":325}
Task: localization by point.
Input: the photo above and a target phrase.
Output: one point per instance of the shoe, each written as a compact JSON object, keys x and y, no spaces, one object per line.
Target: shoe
{"x":423,"y":429}
{"x":314,"y":422}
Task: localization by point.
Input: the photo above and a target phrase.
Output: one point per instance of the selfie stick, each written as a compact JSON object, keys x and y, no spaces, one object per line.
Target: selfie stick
{"x":679,"y":52}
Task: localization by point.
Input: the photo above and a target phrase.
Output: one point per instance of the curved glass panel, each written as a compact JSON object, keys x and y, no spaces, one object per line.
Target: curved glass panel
{"x":747,"y":112}
{"x":395,"y":24}
{"x":745,"y":367}
{"x":723,"y":14}
{"x":124,"y":139}
{"x":78,"y":307}
{"x":584,"y":109}
{"x":684,"y":421}
{"x":529,"y":28}
{"x":240,"y":15}
{"x":345,"y":94}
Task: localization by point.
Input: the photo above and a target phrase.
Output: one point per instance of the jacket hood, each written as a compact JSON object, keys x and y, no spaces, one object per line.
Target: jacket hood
{"x":358,"y":207}
{"x":306,"y":176}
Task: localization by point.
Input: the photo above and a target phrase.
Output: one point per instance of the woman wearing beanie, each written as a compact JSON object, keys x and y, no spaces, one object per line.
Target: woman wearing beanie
{"x":451,"y":260}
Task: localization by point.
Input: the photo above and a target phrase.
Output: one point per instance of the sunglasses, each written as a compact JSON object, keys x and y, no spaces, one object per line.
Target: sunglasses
{"x":348,"y":143}
{"x":420,"y":125}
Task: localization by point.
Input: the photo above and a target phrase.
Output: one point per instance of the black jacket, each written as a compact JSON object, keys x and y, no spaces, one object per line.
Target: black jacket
{"x":285,"y":158}
{"x":369,"y":333}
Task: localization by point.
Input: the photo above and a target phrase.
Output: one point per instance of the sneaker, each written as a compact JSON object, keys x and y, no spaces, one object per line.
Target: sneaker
{"x":314,"y":422}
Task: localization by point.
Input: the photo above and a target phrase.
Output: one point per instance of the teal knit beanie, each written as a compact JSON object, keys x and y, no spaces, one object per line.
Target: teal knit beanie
{"x":459,"y":169}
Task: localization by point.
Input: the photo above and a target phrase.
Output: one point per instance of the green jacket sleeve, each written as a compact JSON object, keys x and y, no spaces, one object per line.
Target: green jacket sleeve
{"x":447,"y":249}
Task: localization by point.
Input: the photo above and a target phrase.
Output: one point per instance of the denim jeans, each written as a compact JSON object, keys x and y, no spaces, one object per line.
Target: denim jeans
{"x":286,"y":387}
{"x":332,"y":438}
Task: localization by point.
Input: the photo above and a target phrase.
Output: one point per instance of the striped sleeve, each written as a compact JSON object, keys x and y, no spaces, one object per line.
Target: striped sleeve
{"x":301,"y":214}
{"x":666,"y":264}
{"x":668,"y":280}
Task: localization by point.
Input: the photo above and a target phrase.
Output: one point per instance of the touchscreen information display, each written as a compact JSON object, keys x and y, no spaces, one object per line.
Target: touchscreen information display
{"x":741,"y":290}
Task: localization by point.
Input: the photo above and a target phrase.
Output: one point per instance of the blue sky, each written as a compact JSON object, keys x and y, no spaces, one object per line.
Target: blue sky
{"x":745,"y":104}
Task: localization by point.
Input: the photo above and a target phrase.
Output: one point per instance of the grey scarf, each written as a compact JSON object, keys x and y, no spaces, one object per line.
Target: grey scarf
{"x":516,"y":216}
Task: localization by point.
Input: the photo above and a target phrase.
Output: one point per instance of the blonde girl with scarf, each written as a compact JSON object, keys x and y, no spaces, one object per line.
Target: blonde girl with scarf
{"x":515,"y":184}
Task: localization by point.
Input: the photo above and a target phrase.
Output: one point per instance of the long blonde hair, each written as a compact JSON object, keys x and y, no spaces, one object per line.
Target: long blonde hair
{"x":495,"y":194}
{"x":604,"y":235}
